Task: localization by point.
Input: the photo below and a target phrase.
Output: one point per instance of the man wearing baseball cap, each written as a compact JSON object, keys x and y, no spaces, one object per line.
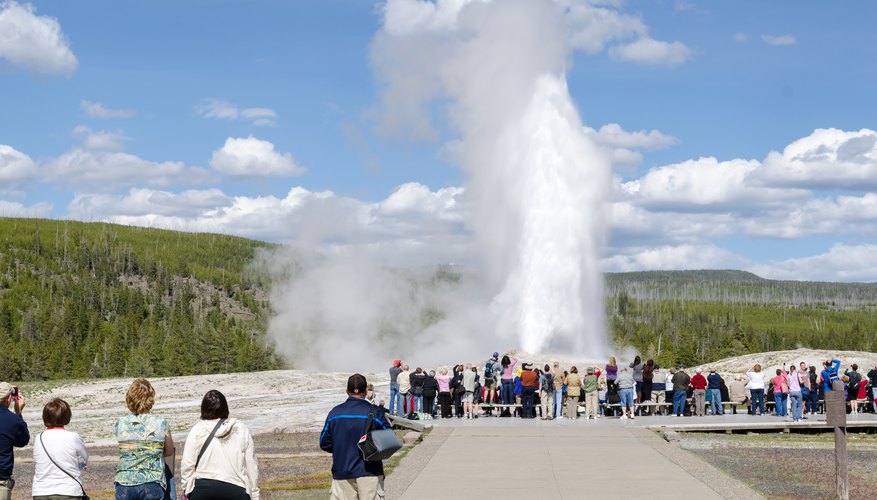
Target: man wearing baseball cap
{"x":13,"y":433}
{"x":492,"y":369}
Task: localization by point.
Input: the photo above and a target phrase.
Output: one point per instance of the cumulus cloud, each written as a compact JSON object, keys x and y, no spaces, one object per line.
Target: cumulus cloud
{"x":779,"y":40}
{"x":842,"y":262}
{"x":252,"y":157}
{"x":101,"y":140}
{"x":223,"y":110}
{"x":624,"y":146}
{"x":107,"y":171}
{"x":650,"y":51}
{"x":35,"y":211}
{"x":98,"y":110}
{"x":826,"y":159}
{"x":16,"y":168}
{"x":34,"y":42}
{"x":704,"y":256}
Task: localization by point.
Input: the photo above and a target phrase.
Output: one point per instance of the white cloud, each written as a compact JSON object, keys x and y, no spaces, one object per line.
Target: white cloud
{"x":224,"y":110}
{"x":145,"y":202}
{"x":705,"y":184}
{"x":826,"y":159}
{"x":779,"y":40}
{"x":252,"y":157}
{"x":842,"y":262}
{"x":650,"y":51}
{"x":34,"y":42}
{"x":705,"y":256}
{"x":16,"y":168}
{"x":107,"y":171}
{"x":98,"y":110}
{"x":102,"y":140}
{"x":740,"y":37}
{"x":614,"y":136}
{"x":36,"y":211}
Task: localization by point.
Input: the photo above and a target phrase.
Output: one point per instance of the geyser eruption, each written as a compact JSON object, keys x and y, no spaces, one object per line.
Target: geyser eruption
{"x":536,"y":182}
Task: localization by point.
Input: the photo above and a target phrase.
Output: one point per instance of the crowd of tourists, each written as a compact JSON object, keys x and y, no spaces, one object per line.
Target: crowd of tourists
{"x":505,"y":386}
{"x":219,"y":458}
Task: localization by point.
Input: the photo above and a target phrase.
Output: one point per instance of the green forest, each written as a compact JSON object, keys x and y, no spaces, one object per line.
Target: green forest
{"x":693,"y":317}
{"x":102,"y":300}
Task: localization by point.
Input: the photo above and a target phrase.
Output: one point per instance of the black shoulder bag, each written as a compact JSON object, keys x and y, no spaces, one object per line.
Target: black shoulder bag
{"x":84,"y":495}
{"x":378,"y":444}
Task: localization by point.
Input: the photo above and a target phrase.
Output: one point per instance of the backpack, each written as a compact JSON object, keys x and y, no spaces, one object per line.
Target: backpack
{"x":548,"y":386}
{"x":855,"y":380}
{"x":488,"y":369}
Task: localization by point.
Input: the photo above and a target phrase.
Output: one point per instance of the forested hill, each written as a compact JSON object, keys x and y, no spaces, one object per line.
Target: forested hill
{"x":99,"y":300}
{"x":693,"y":317}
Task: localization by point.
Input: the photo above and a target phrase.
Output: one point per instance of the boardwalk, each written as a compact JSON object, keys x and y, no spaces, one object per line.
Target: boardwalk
{"x":512,"y":458}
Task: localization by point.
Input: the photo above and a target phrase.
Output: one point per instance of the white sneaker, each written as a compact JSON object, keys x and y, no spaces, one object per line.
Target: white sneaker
{"x":624,"y":417}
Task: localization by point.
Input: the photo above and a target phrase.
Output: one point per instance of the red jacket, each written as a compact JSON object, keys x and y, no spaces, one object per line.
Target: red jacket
{"x":698,"y":381}
{"x":529,"y":378}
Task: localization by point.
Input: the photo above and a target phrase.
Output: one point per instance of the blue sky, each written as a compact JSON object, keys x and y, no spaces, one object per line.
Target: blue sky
{"x":263,"y":119}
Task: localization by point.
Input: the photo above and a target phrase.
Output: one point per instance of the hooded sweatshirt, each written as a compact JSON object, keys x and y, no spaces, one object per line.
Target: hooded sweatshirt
{"x":230,"y":456}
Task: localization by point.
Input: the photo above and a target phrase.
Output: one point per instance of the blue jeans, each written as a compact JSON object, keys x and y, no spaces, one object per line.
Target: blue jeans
{"x":527,"y":394}
{"x":780,"y":404}
{"x":148,"y":491}
{"x":507,"y":391}
{"x":679,"y":402}
{"x":627,"y":396}
{"x":558,"y":403}
{"x":797,"y":400}
{"x":757,"y":400}
{"x":716,"y":402}
{"x":395,"y":399}
{"x":418,"y":403}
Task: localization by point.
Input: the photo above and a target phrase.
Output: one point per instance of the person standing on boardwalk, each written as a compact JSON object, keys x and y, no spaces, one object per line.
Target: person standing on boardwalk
{"x":546,"y":385}
{"x":626,"y":391}
{"x":698,"y":383}
{"x":591,"y":386}
{"x":395,"y":397}
{"x":681,"y":381}
{"x":756,"y":389}
{"x":13,"y":434}
{"x":714,"y":384}
{"x":404,"y":391}
{"x":492,"y":371}
{"x":352,"y":477}
{"x":529,"y":386}
{"x":573,"y":391}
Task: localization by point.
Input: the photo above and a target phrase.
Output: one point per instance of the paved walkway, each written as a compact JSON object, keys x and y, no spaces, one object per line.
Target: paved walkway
{"x":513,"y":458}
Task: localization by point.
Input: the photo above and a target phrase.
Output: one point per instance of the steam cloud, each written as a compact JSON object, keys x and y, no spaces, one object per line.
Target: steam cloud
{"x":535,"y":195}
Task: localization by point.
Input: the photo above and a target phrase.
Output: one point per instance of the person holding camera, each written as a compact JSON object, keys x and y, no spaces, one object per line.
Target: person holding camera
{"x":13,"y":433}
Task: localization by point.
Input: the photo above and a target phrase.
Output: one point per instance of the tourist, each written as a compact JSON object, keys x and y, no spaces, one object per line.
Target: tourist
{"x":145,"y":444}
{"x":546,"y":388}
{"x":611,"y":373}
{"x":698,"y":383}
{"x":469,"y":390}
{"x":714,"y":384}
{"x":756,"y":389}
{"x":13,"y":434}
{"x":855,"y":380}
{"x":737,"y":393}
{"x":815,"y":388}
{"x":219,"y":456}
{"x":395,"y":396}
{"x":681,"y":381}
{"x":626,"y":392}
{"x":872,"y":376}
{"x":796,"y":397}
{"x":669,"y":392}
{"x":405,"y":390}
{"x":830,"y":374}
{"x":637,"y":366}
{"x":645,"y":395}
{"x":559,"y":389}
{"x":430,"y":390}
{"x":444,"y":388}
{"x":492,"y":371}
{"x":59,"y":455}
{"x":573,"y":390}
{"x":658,"y":389}
{"x":780,"y":391}
{"x":519,"y":390}
{"x":529,"y":386}
{"x":370,"y":394}
{"x":353,"y":477}
{"x":591,"y":385}
{"x":507,"y":380}
{"x":416,"y":379}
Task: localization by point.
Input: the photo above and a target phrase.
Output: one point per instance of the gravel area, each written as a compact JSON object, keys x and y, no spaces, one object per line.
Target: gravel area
{"x":789,"y":465}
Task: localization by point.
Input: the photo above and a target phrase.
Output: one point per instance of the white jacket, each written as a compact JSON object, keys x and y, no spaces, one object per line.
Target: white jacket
{"x":230,"y":456}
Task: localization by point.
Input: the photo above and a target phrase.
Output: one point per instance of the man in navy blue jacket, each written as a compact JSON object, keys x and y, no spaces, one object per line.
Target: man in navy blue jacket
{"x":353,"y":477}
{"x":13,"y":433}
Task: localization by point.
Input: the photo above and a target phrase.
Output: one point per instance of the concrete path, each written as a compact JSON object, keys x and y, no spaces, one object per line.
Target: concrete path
{"x":561,"y":459}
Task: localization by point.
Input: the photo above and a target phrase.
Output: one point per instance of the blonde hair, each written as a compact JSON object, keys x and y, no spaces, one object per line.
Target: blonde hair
{"x":140,"y":396}
{"x":612,"y":361}
{"x":443,"y":371}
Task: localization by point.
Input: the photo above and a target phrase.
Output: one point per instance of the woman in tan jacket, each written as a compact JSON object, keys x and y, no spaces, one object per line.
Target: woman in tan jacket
{"x":573,"y":391}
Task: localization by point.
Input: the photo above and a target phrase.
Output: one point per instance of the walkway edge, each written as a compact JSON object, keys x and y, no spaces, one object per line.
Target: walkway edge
{"x":398,"y":482}
{"x":714,"y":478}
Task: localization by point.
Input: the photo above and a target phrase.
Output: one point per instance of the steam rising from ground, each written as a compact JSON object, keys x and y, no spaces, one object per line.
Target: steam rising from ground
{"x":535,"y":196}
